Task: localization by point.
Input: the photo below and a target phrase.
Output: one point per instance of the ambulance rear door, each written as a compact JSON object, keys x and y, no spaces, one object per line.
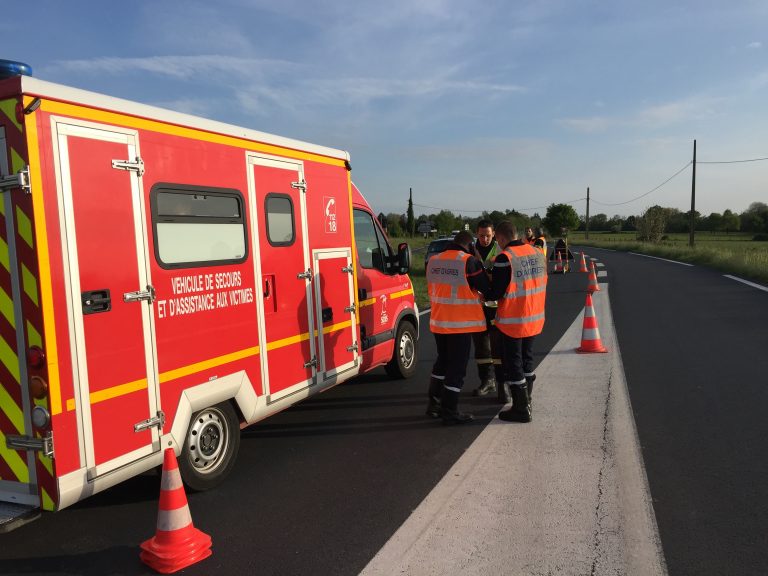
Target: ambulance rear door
{"x":110,"y":293}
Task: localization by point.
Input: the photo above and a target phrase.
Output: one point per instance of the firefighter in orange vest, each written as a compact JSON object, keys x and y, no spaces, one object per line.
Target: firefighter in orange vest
{"x":519,"y":283}
{"x":455,"y":281}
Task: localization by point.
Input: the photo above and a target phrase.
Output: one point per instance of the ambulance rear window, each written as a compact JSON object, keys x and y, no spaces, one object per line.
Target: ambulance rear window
{"x":195,"y":226}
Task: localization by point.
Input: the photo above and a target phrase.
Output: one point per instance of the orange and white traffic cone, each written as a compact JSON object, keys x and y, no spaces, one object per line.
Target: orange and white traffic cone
{"x":559,"y":264}
{"x":590,"y":333}
{"x":583,"y":263}
{"x":176,"y":543}
{"x":593,"y":285}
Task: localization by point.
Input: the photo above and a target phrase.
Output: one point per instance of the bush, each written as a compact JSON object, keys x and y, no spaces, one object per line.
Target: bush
{"x":760,"y":237}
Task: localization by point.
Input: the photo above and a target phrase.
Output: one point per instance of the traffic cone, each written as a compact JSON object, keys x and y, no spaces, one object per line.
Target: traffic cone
{"x":583,"y":264}
{"x":559,"y":265}
{"x":590,"y":333}
{"x":593,"y":285}
{"x":176,"y":543}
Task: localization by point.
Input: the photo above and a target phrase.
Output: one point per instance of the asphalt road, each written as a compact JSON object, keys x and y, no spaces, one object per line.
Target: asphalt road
{"x":695,"y":351}
{"x":317,"y":489}
{"x":321,"y":487}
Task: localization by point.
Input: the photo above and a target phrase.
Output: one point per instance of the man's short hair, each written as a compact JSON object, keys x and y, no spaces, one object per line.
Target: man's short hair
{"x":484,"y":223}
{"x":538,"y":231}
{"x":464,"y":239}
{"x":507,"y":229}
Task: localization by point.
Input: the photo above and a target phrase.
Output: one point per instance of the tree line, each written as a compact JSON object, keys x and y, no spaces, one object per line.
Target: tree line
{"x":650,"y":225}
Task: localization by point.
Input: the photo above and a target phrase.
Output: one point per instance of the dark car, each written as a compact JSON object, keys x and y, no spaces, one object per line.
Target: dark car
{"x":435,"y":247}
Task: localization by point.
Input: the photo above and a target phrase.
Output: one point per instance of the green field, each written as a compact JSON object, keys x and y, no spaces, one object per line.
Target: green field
{"x":733,"y":253}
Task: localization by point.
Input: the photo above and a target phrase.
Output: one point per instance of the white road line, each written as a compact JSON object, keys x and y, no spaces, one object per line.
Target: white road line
{"x":424,"y":312}
{"x":602,"y":274}
{"x":747,"y":282}
{"x":665,"y":259}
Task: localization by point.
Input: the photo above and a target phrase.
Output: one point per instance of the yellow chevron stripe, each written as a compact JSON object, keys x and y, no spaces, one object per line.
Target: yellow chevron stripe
{"x":17,"y":162}
{"x":9,"y":359}
{"x":12,"y":410}
{"x":6,"y":308}
{"x":48,"y":503}
{"x":9,"y":109}
{"x":29,"y":283}
{"x":4,"y":258}
{"x":46,"y":462}
{"x":33,"y":336}
{"x":14,"y":462}
{"x":24,"y":227}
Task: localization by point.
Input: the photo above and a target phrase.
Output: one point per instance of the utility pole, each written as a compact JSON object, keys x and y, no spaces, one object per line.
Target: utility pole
{"x":586,"y":224}
{"x":693,"y":199}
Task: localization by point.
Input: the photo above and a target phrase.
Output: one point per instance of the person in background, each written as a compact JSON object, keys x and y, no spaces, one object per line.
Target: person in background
{"x":487,"y":351}
{"x":540,"y":241}
{"x":455,"y":281}
{"x":529,"y":236}
{"x":519,"y":283}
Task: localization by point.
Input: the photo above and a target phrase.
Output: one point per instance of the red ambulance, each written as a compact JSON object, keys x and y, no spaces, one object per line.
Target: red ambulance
{"x":166,"y":280}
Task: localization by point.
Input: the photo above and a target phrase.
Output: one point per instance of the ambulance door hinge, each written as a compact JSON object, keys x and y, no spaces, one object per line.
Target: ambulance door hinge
{"x":312,"y":362}
{"x":44,"y":445}
{"x":348,"y":269}
{"x":301,"y":185}
{"x":18,"y":180}
{"x":350,"y":308}
{"x":304,"y":275}
{"x":158,"y":421}
{"x":136,"y":165}
{"x":352,"y":348}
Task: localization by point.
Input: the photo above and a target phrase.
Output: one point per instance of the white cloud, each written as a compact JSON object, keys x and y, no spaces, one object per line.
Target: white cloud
{"x":180,"y":67}
{"x":755,"y":45}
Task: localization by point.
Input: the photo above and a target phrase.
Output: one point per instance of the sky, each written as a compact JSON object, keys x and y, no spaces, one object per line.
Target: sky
{"x":474,"y":104}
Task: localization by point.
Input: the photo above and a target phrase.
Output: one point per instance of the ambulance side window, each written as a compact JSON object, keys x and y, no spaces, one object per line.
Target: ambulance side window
{"x":281,"y":230}
{"x":196,"y":226}
{"x":372,"y":248}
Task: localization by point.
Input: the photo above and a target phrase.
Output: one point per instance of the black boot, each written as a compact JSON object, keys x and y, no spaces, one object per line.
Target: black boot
{"x":435,"y":393}
{"x":521,"y":405}
{"x":503,"y":393}
{"x":487,"y":386}
{"x":529,"y":380}
{"x":450,"y":412}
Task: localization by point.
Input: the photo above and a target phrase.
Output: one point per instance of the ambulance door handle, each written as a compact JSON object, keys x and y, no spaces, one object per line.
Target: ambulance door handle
{"x":304,"y":275}
{"x":139,"y":295}
{"x":95,"y":301}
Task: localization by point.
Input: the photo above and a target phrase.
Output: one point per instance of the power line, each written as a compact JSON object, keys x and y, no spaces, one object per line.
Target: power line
{"x":645,"y":194}
{"x":733,"y":161}
{"x":607,"y":203}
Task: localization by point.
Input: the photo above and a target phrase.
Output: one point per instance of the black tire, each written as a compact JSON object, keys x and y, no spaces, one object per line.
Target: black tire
{"x":406,"y":353}
{"x":211,"y":446}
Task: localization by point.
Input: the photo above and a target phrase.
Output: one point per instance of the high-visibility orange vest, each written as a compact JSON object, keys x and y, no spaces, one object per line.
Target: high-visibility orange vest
{"x":521,"y":311}
{"x":456,"y":307}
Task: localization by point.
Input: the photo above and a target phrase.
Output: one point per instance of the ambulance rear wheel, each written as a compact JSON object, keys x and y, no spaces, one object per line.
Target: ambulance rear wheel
{"x":403,"y":363}
{"x":210,"y":449}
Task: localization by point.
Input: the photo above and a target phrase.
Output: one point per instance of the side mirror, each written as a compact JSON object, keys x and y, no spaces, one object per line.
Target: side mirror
{"x":403,"y":257}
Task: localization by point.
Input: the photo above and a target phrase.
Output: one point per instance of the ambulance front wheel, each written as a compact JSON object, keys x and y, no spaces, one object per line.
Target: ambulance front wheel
{"x":210,"y":449}
{"x":403,"y":363}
